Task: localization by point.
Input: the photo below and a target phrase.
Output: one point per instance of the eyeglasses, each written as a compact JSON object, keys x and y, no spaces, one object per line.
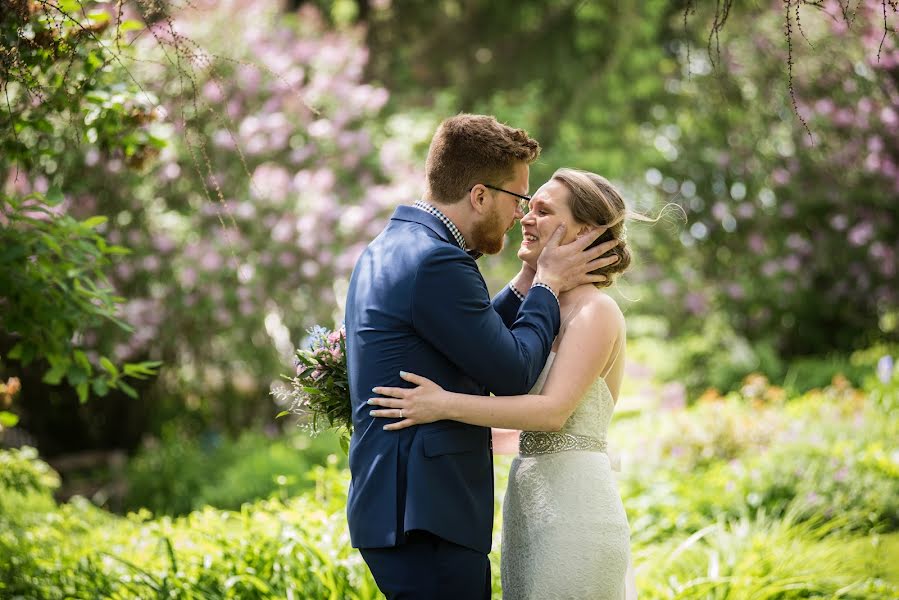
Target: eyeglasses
{"x":523,"y":202}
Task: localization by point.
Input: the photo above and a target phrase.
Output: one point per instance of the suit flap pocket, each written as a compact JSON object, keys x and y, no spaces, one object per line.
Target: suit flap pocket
{"x":453,"y":441}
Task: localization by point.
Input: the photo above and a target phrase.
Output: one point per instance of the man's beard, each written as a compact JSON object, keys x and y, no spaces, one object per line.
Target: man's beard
{"x":488,"y":235}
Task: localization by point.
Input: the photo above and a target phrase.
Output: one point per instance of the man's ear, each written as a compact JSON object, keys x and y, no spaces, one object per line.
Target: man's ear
{"x":477,"y":197}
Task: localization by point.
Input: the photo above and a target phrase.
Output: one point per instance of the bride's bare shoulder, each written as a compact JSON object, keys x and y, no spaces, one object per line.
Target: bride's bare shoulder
{"x":599,"y":307}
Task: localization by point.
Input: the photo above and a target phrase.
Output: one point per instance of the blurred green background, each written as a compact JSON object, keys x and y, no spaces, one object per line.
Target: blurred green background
{"x":187,"y":185}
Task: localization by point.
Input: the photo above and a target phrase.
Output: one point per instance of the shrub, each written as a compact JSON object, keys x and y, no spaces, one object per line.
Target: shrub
{"x":26,"y":484}
{"x":182,"y":473}
{"x":764,"y":558}
{"x":826,"y":455}
{"x":270,"y":549}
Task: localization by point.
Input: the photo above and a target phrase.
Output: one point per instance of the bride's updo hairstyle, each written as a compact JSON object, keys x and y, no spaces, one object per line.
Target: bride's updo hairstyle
{"x":594,"y":201}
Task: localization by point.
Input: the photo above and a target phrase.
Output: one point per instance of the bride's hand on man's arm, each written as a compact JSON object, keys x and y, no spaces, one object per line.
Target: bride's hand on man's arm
{"x":415,"y":406}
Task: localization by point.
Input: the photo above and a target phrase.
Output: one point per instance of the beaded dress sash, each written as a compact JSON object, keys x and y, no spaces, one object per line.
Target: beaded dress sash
{"x":535,"y":443}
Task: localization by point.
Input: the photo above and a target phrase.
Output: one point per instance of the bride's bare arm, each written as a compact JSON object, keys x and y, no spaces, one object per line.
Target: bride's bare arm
{"x":590,"y":341}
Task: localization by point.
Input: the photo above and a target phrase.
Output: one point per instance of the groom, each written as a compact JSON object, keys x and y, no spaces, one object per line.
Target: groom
{"x":420,"y":506}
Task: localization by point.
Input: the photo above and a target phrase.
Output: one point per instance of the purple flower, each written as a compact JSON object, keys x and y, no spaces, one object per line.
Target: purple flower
{"x":696,"y":303}
{"x":861,"y":234}
{"x":885,"y":368}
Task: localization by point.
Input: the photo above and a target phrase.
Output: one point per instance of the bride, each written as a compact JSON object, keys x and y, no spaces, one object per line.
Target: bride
{"x":565,"y":532}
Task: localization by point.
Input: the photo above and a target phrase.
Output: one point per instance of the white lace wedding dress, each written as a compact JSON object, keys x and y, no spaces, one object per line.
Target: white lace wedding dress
{"x":565,"y":532}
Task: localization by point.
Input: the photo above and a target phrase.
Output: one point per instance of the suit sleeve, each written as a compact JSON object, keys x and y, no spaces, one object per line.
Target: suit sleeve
{"x":451,"y":309}
{"x":506,"y":305}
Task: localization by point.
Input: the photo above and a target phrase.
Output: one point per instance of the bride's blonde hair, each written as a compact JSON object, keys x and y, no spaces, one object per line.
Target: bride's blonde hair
{"x":595,"y":201}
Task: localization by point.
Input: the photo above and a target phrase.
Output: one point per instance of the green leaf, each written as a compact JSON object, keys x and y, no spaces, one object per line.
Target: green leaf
{"x":101,"y":387}
{"x":16,"y":352}
{"x":130,"y":25}
{"x":127,"y":389}
{"x":283,"y":413}
{"x":82,"y":361}
{"x":7,"y":419}
{"x":109,"y":366}
{"x":83,"y":390}
{"x":94,"y":222}
{"x":95,"y":63}
{"x":76,"y":376}
{"x":51,"y":243}
{"x":55,"y":374}
{"x":54,"y":196}
{"x":141,"y":370}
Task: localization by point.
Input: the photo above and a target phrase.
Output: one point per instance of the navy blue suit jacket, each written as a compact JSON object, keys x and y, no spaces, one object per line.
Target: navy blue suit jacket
{"x":418,"y":303}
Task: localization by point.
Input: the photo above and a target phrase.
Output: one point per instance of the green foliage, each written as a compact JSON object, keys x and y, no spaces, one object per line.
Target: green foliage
{"x":736,"y":522}
{"x":182,"y":473}
{"x":70,"y":55}
{"x":270,"y":549}
{"x":717,"y":357}
{"x":279,"y":165}
{"x":825,"y":456}
{"x":21,"y":472}
{"x":765,"y":558}
{"x":26,"y":484}
{"x":53,"y":285}
{"x":53,"y":288}
{"x":714,"y":356}
{"x":783,"y":157}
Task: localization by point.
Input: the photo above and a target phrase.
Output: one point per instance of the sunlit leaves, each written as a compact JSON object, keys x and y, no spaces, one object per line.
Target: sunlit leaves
{"x":54,"y":288}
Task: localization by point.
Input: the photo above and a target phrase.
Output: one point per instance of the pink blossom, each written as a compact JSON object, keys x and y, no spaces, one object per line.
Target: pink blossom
{"x":211,"y":261}
{"x":745,"y":210}
{"x":756,"y":243}
{"x":188,"y":277}
{"x":780,"y":176}
{"x":696,"y":303}
{"x":843,"y":117}
{"x":824,"y":106}
{"x":735,"y":291}
{"x":839,"y":222}
{"x":861,"y":234}
{"x":212,"y":91}
{"x":791,"y":263}
{"x":668,"y":288}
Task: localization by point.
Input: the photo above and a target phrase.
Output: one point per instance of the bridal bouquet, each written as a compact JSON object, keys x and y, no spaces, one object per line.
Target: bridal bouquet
{"x":320,"y":390}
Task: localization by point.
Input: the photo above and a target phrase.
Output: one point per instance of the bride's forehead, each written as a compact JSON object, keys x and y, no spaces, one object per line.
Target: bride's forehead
{"x":552,"y":191}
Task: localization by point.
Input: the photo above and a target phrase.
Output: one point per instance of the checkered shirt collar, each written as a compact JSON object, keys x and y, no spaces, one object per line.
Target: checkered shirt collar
{"x":457,"y":235}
